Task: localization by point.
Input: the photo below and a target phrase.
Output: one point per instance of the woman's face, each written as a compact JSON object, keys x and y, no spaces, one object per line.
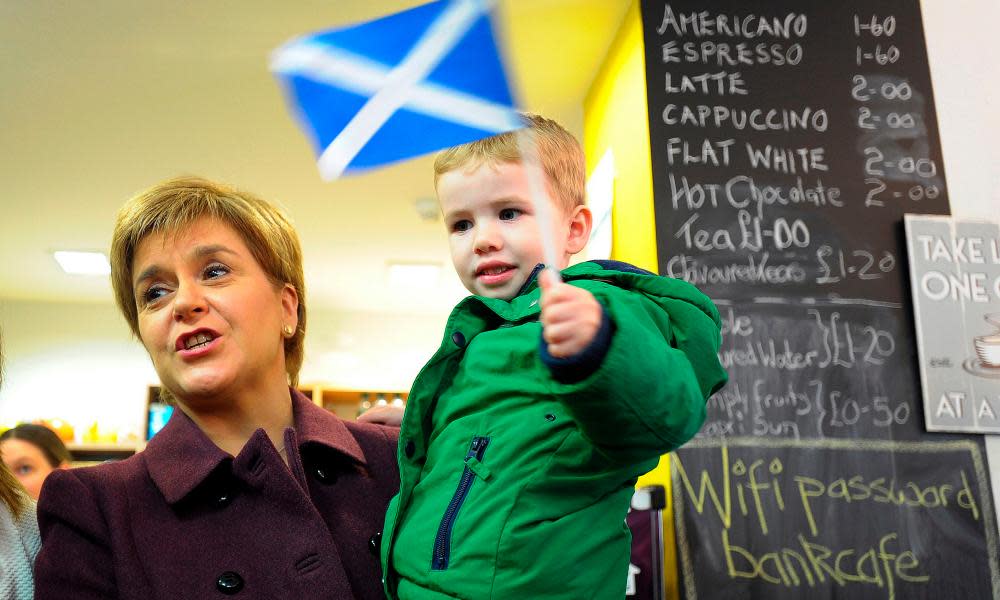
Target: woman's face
{"x":27,"y":462}
{"x":209,"y":316}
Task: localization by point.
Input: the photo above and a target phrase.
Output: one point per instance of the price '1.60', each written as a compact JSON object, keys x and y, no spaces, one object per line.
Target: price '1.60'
{"x":875,"y":26}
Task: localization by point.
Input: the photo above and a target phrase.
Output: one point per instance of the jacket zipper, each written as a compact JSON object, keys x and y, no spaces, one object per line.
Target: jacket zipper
{"x":442,"y":542}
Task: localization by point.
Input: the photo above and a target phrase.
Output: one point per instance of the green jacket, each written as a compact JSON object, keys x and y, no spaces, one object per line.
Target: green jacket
{"x":514,"y":485}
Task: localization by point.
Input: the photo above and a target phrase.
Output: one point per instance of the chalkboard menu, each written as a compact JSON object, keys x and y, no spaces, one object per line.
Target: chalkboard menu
{"x":788,"y":138}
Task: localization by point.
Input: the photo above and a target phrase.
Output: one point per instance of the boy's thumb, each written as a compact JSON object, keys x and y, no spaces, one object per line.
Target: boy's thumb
{"x":546,"y":279}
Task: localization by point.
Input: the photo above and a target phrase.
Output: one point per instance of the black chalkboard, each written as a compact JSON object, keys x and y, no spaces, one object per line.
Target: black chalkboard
{"x":788,"y":138}
{"x":773,"y":518}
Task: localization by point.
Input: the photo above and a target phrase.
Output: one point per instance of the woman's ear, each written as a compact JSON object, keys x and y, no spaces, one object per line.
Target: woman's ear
{"x":290,"y":305}
{"x":580,"y":223}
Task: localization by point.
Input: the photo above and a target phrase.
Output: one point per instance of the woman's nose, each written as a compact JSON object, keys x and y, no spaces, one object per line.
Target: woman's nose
{"x":188,"y":301}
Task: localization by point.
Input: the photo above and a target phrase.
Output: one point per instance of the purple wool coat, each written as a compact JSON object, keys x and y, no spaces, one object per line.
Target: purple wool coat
{"x":185,"y":520}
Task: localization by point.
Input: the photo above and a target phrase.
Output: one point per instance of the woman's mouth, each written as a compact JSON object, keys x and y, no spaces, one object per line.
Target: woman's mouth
{"x":196,"y":343}
{"x":199,"y":339}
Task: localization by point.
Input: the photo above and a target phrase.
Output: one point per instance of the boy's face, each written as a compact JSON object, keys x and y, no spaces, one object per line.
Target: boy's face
{"x":492,"y":228}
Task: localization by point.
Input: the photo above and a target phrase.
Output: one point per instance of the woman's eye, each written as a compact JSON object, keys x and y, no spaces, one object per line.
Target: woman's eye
{"x":23,"y":470}
{"x":215,"y":271}
{"x":509,"y":214}
{"x":153,"y":293}
{"x":460,"y":226}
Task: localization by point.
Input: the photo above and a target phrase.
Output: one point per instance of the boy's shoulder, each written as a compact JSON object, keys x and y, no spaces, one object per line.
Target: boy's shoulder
{"x":593,"y":266}
{"x":628,"y":277}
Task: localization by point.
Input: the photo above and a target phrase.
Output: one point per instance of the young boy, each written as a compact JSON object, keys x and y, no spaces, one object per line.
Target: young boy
{"x":525,"y":433}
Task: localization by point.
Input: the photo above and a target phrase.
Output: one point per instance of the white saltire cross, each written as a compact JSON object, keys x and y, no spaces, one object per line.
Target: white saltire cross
{"x":404,"y":85}
{"x":392,"y":89}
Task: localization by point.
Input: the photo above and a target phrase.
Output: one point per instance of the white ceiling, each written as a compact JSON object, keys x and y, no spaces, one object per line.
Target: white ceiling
{"x":102,"y":99}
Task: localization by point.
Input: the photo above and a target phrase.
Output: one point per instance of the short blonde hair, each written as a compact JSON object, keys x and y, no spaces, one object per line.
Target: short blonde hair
{"x":559,"y":152}
{"x":171,"y":205}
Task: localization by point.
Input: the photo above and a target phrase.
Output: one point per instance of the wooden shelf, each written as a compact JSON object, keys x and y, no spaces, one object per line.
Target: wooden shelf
{"x":345,"y":403}
{"x":349,"y":403}
{"x":86,"y":447}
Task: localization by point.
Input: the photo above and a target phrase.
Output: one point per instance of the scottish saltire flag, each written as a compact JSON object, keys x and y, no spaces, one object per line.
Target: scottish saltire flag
{"x":397,"y":87}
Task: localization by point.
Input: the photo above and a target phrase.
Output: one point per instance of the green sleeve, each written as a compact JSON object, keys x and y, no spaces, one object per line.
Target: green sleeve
{"x":648,"y":395}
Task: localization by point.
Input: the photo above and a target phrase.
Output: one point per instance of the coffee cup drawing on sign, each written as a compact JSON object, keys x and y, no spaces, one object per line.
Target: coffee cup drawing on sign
{"x":987,"y":350}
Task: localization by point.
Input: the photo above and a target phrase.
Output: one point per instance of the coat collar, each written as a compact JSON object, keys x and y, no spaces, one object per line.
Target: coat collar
{"x":524,"y":304}
{"x":589,"y":267}
{"x":180,"y":456}
{"x":530,"y":281}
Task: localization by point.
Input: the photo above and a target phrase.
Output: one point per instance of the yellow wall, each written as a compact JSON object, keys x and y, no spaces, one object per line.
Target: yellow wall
{"x":615,"y":117}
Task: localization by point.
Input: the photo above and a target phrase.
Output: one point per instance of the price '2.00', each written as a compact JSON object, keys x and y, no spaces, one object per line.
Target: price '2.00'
{"x":888,"y":90}
{"x":915,"y":193}
{"x":877,"y":165}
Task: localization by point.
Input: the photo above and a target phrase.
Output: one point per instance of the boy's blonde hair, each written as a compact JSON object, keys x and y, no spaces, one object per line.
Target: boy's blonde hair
{"x":169,"y":206}
{"x":558,"y":151}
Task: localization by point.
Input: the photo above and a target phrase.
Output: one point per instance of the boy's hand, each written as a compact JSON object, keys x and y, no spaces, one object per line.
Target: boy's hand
{"x":570,"y":316}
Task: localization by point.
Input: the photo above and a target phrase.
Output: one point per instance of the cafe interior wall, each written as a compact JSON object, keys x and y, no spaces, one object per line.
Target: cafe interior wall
{"x":83,"y":366}
{"x":959,"y":35}
{"x":79,"y":363}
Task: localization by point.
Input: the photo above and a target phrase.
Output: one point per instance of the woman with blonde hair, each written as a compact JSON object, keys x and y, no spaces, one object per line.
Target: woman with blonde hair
{"x":250,"y":488}
{"x":19,"y":540}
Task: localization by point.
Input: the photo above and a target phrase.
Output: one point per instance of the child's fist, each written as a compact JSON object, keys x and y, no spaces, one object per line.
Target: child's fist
{"x":570,"y":317}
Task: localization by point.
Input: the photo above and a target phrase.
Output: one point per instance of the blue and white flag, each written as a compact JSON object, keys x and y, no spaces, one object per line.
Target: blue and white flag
{"x":398,"y":87}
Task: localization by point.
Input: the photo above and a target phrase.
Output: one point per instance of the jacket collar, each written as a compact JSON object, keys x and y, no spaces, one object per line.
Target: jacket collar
{"x":180,"y":457}
{"x":530,"y":281}
{"x":588,"y":267}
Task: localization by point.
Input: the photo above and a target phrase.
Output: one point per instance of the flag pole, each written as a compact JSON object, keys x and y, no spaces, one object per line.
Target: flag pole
{"x":543,"y":211}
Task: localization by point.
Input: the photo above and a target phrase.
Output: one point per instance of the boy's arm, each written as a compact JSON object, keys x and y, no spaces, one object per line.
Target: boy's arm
{"x":638,"y":389}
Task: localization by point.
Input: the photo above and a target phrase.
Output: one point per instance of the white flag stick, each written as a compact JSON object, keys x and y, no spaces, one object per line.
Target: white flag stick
{"x":536,"y":188}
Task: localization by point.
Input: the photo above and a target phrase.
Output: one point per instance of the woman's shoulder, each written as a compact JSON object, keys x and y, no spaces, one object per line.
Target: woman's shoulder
{"x":378,"y":445}
{"x":373,"y":431}
{"x":378,"y":442}
{"x":96,"y":481}
{"x":113,"y":470}
{"x":320,"y":424}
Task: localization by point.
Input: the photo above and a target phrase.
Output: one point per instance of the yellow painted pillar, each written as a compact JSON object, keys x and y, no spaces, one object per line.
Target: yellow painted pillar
{"x":615,"y":119}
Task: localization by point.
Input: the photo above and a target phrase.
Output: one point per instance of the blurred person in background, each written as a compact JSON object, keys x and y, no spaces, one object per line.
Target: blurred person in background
{"x":19,"y":541}
{"x":31,"y":452}
{"x":250,"y":488}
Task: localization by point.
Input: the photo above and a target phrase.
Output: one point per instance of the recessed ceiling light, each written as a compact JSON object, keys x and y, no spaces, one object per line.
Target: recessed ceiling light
{"x":414,"y":275}
{"x":83,"y":263}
